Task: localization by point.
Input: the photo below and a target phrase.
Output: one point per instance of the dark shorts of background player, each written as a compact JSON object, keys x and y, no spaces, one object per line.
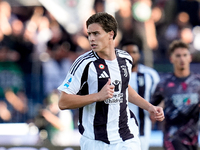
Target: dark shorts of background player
{"x":178,"y":145}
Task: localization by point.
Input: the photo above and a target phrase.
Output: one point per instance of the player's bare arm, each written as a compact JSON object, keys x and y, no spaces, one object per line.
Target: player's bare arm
{"x":136,"y":99}
{"x":70,"y":101}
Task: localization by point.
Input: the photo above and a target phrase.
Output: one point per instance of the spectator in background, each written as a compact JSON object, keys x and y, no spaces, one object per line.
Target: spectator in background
{"x":14,"y":102}
{"x":127,"y":26}
{"x":99,"y":6}
{"x":23,"y":45}
{"x":16,"y":41}
{"x":56,"y":66}
{"x":140,"y":28}
{"x":161,"y":21}
{"x":179,"y":94}
{"x":192,"y":8}
{"x":144,"y":81}
{"x":5,"y":18}
{"x":172,"y":32}
{"x":60,"y":123}
{"x":187,"y":36}
{"x":43,"y":35}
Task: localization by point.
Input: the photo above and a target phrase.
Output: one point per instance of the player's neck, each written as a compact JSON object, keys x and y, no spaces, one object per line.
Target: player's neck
{"x":135,"y":68}
{"x":107,"y":54}
{"x":182,"y":73}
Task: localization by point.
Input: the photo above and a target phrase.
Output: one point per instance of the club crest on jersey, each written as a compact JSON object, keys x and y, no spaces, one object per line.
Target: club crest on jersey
{"x":124,"y":68}
{"x":68,"y":82}
{"x":101,"y":66}
{"x":184,"y":85}
{"x":117,"y":84}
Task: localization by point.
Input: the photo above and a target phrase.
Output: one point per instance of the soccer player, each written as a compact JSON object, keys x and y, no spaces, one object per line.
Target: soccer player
{"x":144,"y":81}
{"x":97,"y":84}
{"x":179,"y":94}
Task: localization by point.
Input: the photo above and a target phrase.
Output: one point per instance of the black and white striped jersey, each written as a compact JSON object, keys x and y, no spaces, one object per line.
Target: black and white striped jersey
{"x":109,"y":121}
{"x":144,"y":82}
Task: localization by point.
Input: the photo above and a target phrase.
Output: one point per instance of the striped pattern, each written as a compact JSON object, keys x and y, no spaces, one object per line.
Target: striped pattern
{"x":144,"y":82}
{"x":106,"y":121}
{"x":80,"y":60}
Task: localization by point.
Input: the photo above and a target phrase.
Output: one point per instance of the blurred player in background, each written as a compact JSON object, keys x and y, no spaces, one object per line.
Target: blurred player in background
{"x":144,"y":81}
{"x":179,"y":94}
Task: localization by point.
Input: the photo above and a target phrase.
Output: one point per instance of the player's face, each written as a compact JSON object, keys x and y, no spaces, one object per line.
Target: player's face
{"x":181,"y":59}
{"x":134,"y":52}
{"x":98,"y":38}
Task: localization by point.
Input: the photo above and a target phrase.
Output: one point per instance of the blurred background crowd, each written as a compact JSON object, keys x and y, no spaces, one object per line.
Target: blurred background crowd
{"x":40,"y":39}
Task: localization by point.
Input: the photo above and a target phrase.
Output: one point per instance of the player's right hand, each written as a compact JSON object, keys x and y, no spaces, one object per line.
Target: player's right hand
{"x":106,"y":92}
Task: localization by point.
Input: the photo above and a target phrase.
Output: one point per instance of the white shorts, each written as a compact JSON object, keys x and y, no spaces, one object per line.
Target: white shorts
{"x":89,"y":144}
{"x":145,"y":139}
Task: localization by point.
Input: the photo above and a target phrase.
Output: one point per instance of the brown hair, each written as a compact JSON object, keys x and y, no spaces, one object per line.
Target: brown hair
{"x":106,"y":21}
{"x":177,"y":44}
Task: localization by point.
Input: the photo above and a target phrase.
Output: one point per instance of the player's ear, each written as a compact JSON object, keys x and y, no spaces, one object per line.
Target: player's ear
{"x":111,"y":34}
{"x":170,"y":59}
{"x":191,"y":57}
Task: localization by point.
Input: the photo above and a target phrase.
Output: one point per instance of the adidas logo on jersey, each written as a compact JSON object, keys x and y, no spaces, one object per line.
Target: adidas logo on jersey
{"x":103,"y":75}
